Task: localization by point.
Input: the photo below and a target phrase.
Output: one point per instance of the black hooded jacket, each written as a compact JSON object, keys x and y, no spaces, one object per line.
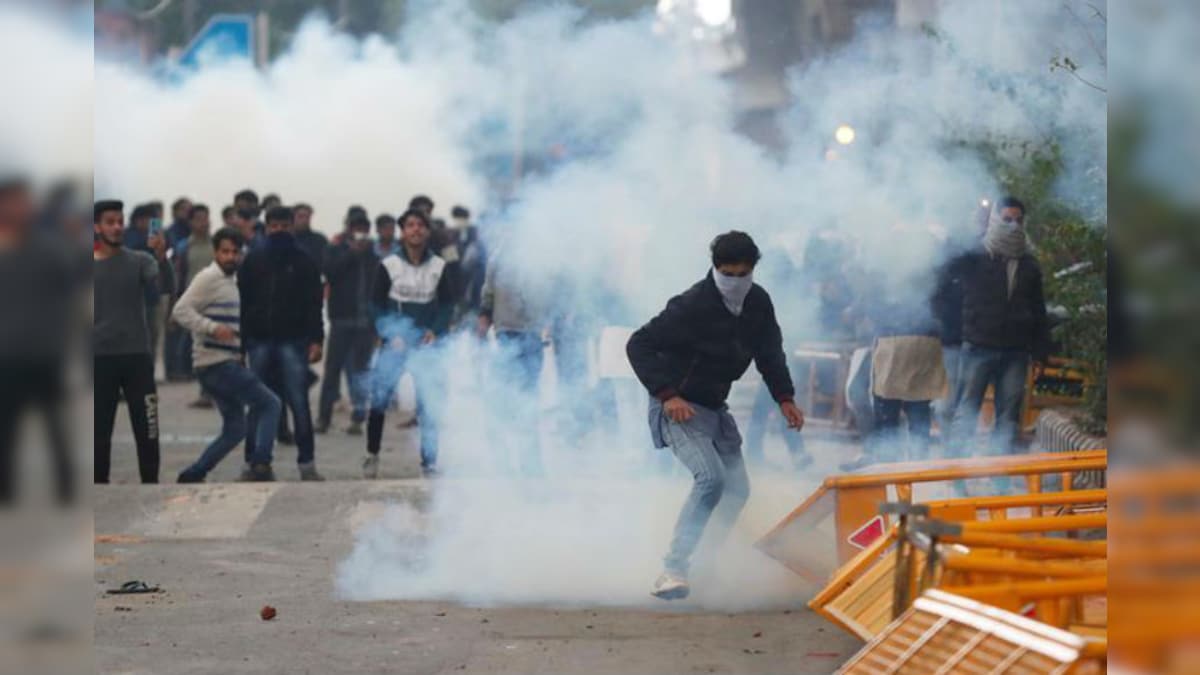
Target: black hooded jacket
{"x":696,"y":348}
{"x":281,"y":293}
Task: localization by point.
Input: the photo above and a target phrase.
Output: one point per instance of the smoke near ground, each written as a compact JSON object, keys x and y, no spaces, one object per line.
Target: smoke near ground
{"x":654,"y":170}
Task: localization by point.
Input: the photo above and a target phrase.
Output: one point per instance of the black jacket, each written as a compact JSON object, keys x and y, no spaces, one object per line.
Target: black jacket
{"x":313,"y":243}
{"x":351,"y":275}
{"x":281,"y":293}
{"x":696,"y":348}
{"x":990,"y":318}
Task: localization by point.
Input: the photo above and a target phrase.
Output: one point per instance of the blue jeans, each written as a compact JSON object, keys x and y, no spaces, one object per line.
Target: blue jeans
{"x":290,"y":359}
{"x":944,"y":409}
{"x":711,"y":448}
{"x":234,"y":388}
{"x":1005,"y":371}
{"x":886,"y":443}
{"x":519,"y":366}
{"x":424,"y":363}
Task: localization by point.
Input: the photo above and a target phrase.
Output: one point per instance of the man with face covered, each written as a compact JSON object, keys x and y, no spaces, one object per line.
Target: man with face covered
{"x":281,"y":324}
{"x":1004,"y":325}
{"x":211,"y":309}
{"x":688,"y":357}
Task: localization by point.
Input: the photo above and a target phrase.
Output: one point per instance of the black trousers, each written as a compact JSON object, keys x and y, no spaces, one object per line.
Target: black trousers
{"x":34,"y":386}
{"x":132,"y":375}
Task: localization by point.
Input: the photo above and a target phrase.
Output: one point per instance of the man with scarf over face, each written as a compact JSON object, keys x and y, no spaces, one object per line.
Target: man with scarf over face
{"x":688,"y":357}
{"x":281,"y":325}
{"x":1003,"y":326}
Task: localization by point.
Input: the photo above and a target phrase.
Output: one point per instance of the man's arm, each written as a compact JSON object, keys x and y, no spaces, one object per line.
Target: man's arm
{"x":189,"y":308}
{"x":314,"y":296}
{"x":1041,"y":325}
{"x":664,"y":332}
{"x":445,"y":305}
{"x":771,"y":360}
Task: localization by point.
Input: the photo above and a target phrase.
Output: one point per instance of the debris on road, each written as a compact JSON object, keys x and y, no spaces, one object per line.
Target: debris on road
{"x":267,"y":613}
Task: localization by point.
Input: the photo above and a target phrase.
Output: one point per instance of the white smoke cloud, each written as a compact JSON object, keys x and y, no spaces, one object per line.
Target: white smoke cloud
{"x":655,"y":171}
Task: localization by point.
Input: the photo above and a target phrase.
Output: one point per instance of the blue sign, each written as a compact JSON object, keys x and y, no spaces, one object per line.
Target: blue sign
{"x":226,"y":37}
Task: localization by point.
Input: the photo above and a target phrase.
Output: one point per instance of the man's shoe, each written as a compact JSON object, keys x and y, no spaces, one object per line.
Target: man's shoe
{"x":355,"y":428}
{"x":670,"y":586}
{"x":285,"y":437}
{"x":322,"y":427}
{"x":371,"y":467}
{"x":188,"y":476}
{"x":801,"y":461}
{"x":257,"y":473}
{"x":430,"y":471}
{"x":853,"y":465}
{"x":309,"y":472}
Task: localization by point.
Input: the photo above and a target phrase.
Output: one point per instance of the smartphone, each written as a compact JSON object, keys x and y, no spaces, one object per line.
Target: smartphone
{"x":155,"y":226}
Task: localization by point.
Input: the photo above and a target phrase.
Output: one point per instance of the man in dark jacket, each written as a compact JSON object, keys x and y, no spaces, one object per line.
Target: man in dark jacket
{"x":688,"y":357}
{"x":310,"y":241}
{"x":1003,"y":326}
{"x":281,"y":325}
{"x":350,"y":270}
{"x":412,"y":301}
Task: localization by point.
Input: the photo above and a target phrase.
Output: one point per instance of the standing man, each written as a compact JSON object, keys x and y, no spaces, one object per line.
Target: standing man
{"x":123,"y":281}
{"x":191,"y":255}
{"x":280,"y":289}
{"x":351,"y":267}
{"x":211,"y":309}
{"x":412,"y":302}
{"x":1004,"y":325}
{"x":312,"y":243}
{"x":385,"y":231}
{"x":180,"y":228}
{"x":688,"y":357}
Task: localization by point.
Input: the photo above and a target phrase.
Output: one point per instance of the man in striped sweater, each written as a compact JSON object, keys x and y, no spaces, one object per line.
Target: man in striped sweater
{"x":210,"y":308}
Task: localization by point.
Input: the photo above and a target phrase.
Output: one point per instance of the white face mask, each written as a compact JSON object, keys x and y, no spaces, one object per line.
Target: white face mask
{"x":733,"y":290}
{"x":361,"y":236}
{"x":459,"y":223}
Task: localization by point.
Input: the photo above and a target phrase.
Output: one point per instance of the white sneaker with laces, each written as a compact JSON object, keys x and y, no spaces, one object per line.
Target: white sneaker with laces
{"x":371,"y":467}
{"x":670,"y":586}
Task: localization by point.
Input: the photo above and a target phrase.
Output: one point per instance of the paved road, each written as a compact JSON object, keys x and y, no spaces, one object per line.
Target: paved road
{"x":222,"y":551}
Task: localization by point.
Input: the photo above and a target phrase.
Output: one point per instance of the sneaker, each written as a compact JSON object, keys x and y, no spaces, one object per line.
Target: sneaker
{"x":430,"y":471}
{"x":853,"y":465}
{"x":371,"y":467}
{"x":309,"y":472}
{"x":189,"y":476}
{"x":322,"y":427}
{"x":258,"y":473}
{"x":671,"y":586}
{"x":355,"y":429}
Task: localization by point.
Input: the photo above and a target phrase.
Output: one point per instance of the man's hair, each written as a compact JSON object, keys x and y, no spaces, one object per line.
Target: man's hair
{"x":155,"y":206}
{"x":228,"y":234}
{"x":142,"y":211}
{"x":246,"y":195}
{"x":413,"y":213}
{"x":420,"y":201}
{"x":384,"y":219}
{"x":228,"y":211}
{"x":734,"y":247}
{"x":460,"y":212}
{"x":105,"y":205}
{"x":302,"y":207}
{"x":272,"y":197}
{"x":178,"y":203}
{"x":355,"y":210}
{"x":358,"y":221}
{"x":1011,"y":202}
{"x":196,"y":208}
{"x":247,"y":214}
{"x":279,"y":213}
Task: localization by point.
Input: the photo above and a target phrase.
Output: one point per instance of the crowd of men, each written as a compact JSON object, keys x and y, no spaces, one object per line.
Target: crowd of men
{"x":245,"y":311}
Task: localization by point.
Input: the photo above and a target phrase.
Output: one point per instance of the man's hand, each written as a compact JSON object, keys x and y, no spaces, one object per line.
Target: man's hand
{"x":793,"y":414}
{"x":1038,"y":369}
{"x":224,"y":333}
{"x":678,"y":410}
{"x":482,"y":325}
{"x":314,"y":352}
{"x":428,"y":338}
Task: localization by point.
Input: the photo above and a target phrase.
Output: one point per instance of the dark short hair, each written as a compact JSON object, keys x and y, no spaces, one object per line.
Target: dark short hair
{"x":384,"y":219}
{"x":420,"y":201}
{"x":142,"y":211}
{"x":196,"y":208}
{"x":1011,"y":202}
{"x":178,"y":203}
{"x":302,"y":207}
{"x":228,"y":211}
{"x":279,"y":213}
{"x":105,"y":205}
{"x":734,"y":247}
{"x":272,"y":197}
{"x":358,"y":221}
{"x":413,"y":213}
{"x":460,"y":212}
{"x":355,"y":210}
{"x":246,"y":194}
{"x":247,"y":214}
{"x":228,"y":234}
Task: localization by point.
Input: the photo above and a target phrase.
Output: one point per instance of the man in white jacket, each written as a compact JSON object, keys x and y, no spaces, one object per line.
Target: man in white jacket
{"x":210,"y":309}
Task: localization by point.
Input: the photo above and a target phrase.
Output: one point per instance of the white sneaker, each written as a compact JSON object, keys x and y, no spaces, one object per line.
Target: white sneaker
{"x":670,"y":586}
{"x":371,"y":467}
